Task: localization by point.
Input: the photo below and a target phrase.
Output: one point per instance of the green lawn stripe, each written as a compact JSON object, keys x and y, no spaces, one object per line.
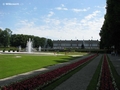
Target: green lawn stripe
{"x":12,"y":65}
{"x":93,"y":83}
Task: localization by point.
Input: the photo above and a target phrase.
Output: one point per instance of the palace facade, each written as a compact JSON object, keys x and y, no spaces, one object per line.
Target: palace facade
{"x":88,"y":44}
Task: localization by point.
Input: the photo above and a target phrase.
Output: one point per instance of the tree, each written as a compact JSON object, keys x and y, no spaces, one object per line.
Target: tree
{"x":21,"y":40}
{"x":82,"y":46}
{"x":5,"y":37}
{"x":1,"y":36}
{"x":50,"y":43}
{"x":110,"y":32}
{"x":105,"y":36}
{"x":37,"y":41}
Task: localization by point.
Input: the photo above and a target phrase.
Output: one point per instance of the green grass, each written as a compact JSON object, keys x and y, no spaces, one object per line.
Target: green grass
{"x":8,"y":48}
{"x":93,"y":83}
{"x":19,"y":63}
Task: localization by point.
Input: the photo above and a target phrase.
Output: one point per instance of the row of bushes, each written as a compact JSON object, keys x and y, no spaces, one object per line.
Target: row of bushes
{"x":46,"y":78}
{"x":78,"y":50}
{"x":13,"y":50}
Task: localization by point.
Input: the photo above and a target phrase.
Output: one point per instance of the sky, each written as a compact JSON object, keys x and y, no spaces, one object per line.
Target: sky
{"x":54,"y":19}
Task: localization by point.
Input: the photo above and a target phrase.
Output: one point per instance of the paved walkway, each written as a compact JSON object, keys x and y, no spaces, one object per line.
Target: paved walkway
{"x":81,"y":79}
{"x":15,"y":78}
{"x":116,"y":62}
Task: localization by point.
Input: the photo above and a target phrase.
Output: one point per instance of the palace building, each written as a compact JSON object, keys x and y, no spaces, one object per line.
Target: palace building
{"x":88,"y":44}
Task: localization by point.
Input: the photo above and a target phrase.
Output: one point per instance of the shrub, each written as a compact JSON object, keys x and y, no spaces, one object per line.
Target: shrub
{"x":9,"y":50}
{"x":3,"y":50}
{"x":17,"y":50}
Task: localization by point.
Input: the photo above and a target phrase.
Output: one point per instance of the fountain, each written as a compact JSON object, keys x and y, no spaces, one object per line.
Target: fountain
{"x":29,"y":46}
{"x":30,"y":49}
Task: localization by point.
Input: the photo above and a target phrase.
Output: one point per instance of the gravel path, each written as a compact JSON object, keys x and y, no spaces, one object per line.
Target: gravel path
{"x":81,"y":79}
{"x":15,"y":78}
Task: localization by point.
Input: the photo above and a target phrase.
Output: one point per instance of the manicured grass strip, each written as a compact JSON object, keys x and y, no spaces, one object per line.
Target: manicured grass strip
{"x":115,"y":74}
{"x":93,"y":83}
{"x":65,"y":77}
{"x":15,"y":64}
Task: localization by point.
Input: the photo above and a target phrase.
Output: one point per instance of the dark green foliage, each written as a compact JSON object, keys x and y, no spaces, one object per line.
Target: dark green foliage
{"x":110,"y":32}
{"x":82,"y":46}
{"x":16,"y":40}
{"x":50,"y":44}
{"x":21,"y":40}
{"x":5,"y":37}
{"x":37,"y":41}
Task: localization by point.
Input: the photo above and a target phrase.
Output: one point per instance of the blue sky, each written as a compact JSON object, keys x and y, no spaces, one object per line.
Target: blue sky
{"x":54,"y":19}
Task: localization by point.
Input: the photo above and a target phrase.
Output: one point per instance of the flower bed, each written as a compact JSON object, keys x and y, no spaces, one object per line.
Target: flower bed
{"x":106,"y":80}
{"x":46,"y":78}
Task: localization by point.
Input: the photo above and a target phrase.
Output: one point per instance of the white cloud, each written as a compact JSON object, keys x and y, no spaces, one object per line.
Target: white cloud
{"x":58,"y":8}
{"x":103,"y":7}
{"x":25,"y":23}
{"x":62,"y":7}
{"x":80,"y":10}
{"x":52,"y":22}
{"x":65,"y":9}
{"x":56,"y":28}
{"x":50,"y":14}
{"x":94,"y":14}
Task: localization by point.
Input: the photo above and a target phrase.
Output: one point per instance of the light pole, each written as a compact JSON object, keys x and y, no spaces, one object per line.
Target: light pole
{"x":91,"y":42}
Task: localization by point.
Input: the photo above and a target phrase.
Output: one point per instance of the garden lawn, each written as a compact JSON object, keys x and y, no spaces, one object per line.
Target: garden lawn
{"x":15,"y":64}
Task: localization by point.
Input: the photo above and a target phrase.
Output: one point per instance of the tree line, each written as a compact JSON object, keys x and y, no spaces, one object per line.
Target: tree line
{"x":110,"y":31}
{"x":7,"y":39}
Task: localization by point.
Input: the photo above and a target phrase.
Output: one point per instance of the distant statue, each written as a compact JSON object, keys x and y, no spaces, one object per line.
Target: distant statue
{"x":19,"y":48}
{"x":82,"y":46}
{"x":39,"y":48}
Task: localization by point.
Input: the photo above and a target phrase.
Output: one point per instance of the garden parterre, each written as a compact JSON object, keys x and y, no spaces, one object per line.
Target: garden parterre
{"x":106,"y":80}
{"x":44,"y":79}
